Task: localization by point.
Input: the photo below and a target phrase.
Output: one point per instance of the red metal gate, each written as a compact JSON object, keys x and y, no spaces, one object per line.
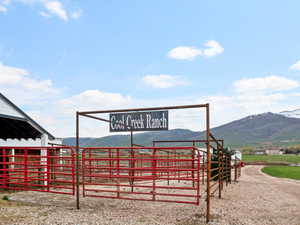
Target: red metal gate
{"x":165,"y":174}
{"x":46,"y":169}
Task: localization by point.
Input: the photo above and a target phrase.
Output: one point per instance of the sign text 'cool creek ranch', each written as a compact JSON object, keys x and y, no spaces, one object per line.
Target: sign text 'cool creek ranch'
{"x":139,"y":121}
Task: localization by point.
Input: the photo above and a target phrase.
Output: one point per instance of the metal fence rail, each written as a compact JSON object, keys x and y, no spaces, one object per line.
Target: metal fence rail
{"x":45,"y":169}
{"x":216,"y":167}
{"x":165,"y":174}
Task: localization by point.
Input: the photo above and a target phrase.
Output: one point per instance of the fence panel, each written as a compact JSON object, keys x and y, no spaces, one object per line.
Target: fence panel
{"x":166,"y":174}
{"x":45,"y":169}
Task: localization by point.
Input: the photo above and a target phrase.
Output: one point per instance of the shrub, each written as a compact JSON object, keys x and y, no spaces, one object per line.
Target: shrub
{"x":5,"y":198}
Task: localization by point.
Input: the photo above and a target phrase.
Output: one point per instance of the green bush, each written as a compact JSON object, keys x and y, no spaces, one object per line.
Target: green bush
{"x":5,"y":198}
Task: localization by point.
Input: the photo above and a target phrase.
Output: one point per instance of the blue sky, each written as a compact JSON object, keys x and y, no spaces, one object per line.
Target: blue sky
{"x":59,"y":56}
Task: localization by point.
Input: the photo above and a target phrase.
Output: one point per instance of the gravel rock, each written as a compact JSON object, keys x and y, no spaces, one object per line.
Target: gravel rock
{"x":257,"y":199}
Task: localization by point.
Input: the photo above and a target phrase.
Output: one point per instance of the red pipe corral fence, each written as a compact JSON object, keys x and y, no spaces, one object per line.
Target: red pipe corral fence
{"x":164,"y":174}
{"x":158,"y":173}
{"x":42,"y":169}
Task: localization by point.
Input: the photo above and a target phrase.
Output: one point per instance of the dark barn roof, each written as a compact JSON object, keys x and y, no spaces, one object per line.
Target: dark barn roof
{"x":19,"y":128}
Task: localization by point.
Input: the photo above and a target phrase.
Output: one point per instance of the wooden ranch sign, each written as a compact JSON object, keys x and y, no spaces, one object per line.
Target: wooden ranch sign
{"x":139,"y":121}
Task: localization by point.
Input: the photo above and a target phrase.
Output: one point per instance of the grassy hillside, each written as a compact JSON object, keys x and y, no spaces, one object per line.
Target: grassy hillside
{"x":262,"y":128}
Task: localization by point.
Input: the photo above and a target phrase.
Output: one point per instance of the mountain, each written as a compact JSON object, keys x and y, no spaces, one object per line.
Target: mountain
{"x":252,"y":130}
{"x":293,"y":113}
{"x":144,"y":138}
{"x":72,"y":141}
{"x":261,"y":128}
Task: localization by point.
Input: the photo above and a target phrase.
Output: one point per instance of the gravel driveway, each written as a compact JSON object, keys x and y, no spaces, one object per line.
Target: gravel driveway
{"x":257,"y":199}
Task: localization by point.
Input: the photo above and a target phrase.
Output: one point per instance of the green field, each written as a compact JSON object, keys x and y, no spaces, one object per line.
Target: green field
{"x":272,"y":158}
{"x":292,"y":172}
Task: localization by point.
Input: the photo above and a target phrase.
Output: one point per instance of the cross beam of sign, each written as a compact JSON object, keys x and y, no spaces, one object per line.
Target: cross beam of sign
{"x":139,"y":121}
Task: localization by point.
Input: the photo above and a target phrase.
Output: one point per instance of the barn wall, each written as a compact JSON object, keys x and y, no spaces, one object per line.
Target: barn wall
{"x":20,"y":143}
{"x":28,"y":143}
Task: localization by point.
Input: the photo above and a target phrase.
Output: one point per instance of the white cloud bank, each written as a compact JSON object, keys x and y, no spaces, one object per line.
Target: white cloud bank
{"x":76,"y":15}
{"x":265,"y":84}
{"x":93,"y":99}
{"x":50,"y":8}
{"x":213,"y":48}
{"x":184,"y":53}
{"x":25,"y":90}
{"x":164,"y":81}
{"x":55,"y":109}
{"x":56,"y":8}
{"x":12,"y":76}
{"x":3,"y":9}
{"x":295,"y":66}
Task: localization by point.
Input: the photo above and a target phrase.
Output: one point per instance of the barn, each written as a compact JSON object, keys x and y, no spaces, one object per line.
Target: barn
{"x":17,"y":129}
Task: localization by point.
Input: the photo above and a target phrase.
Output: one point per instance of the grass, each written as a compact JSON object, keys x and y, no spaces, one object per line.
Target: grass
{"x":292,"y":172}
{"x":272,"y":158}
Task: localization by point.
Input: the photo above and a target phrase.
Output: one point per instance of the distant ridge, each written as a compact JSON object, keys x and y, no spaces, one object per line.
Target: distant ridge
{"x":252,"y":130}
{"x":293,"y":113}
{"x":256,"y":129}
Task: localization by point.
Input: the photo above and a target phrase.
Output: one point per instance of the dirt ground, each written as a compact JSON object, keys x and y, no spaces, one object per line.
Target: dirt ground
{"x":257,"y":199}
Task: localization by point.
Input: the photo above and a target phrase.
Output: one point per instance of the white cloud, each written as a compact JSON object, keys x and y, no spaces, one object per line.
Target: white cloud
{"x":51,"y":8}
{"x":184,"y":53}
{"x":93,"y":99}
{"x":295,"y":94}
{"x":260,"y":102}
{"x":42,"y":85}
{"x":87,"y":100}
{"x":3,"y":9}
{"x":76,"y":14}
{"x":295,"y":66}
{"x":265,"y":84}
{"x":33,"y":95}
{"x":59,"y":116}
{"x":44,"y":14}
{"x":164,"y":81}
{"x":6,"y":2}
{"x":213,"y":48}
{"x":47,"y":120}
{"x":223,"y":109}
{"x":12,"y":77}
{"x":56,"y":8}
{"x":55,"y":110}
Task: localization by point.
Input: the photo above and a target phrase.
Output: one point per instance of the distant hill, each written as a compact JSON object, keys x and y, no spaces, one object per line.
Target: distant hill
{"x":293,"y":113}
{"x":251,"y":130}
{"x":144,"y":138}
{"x":261,"y":128}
